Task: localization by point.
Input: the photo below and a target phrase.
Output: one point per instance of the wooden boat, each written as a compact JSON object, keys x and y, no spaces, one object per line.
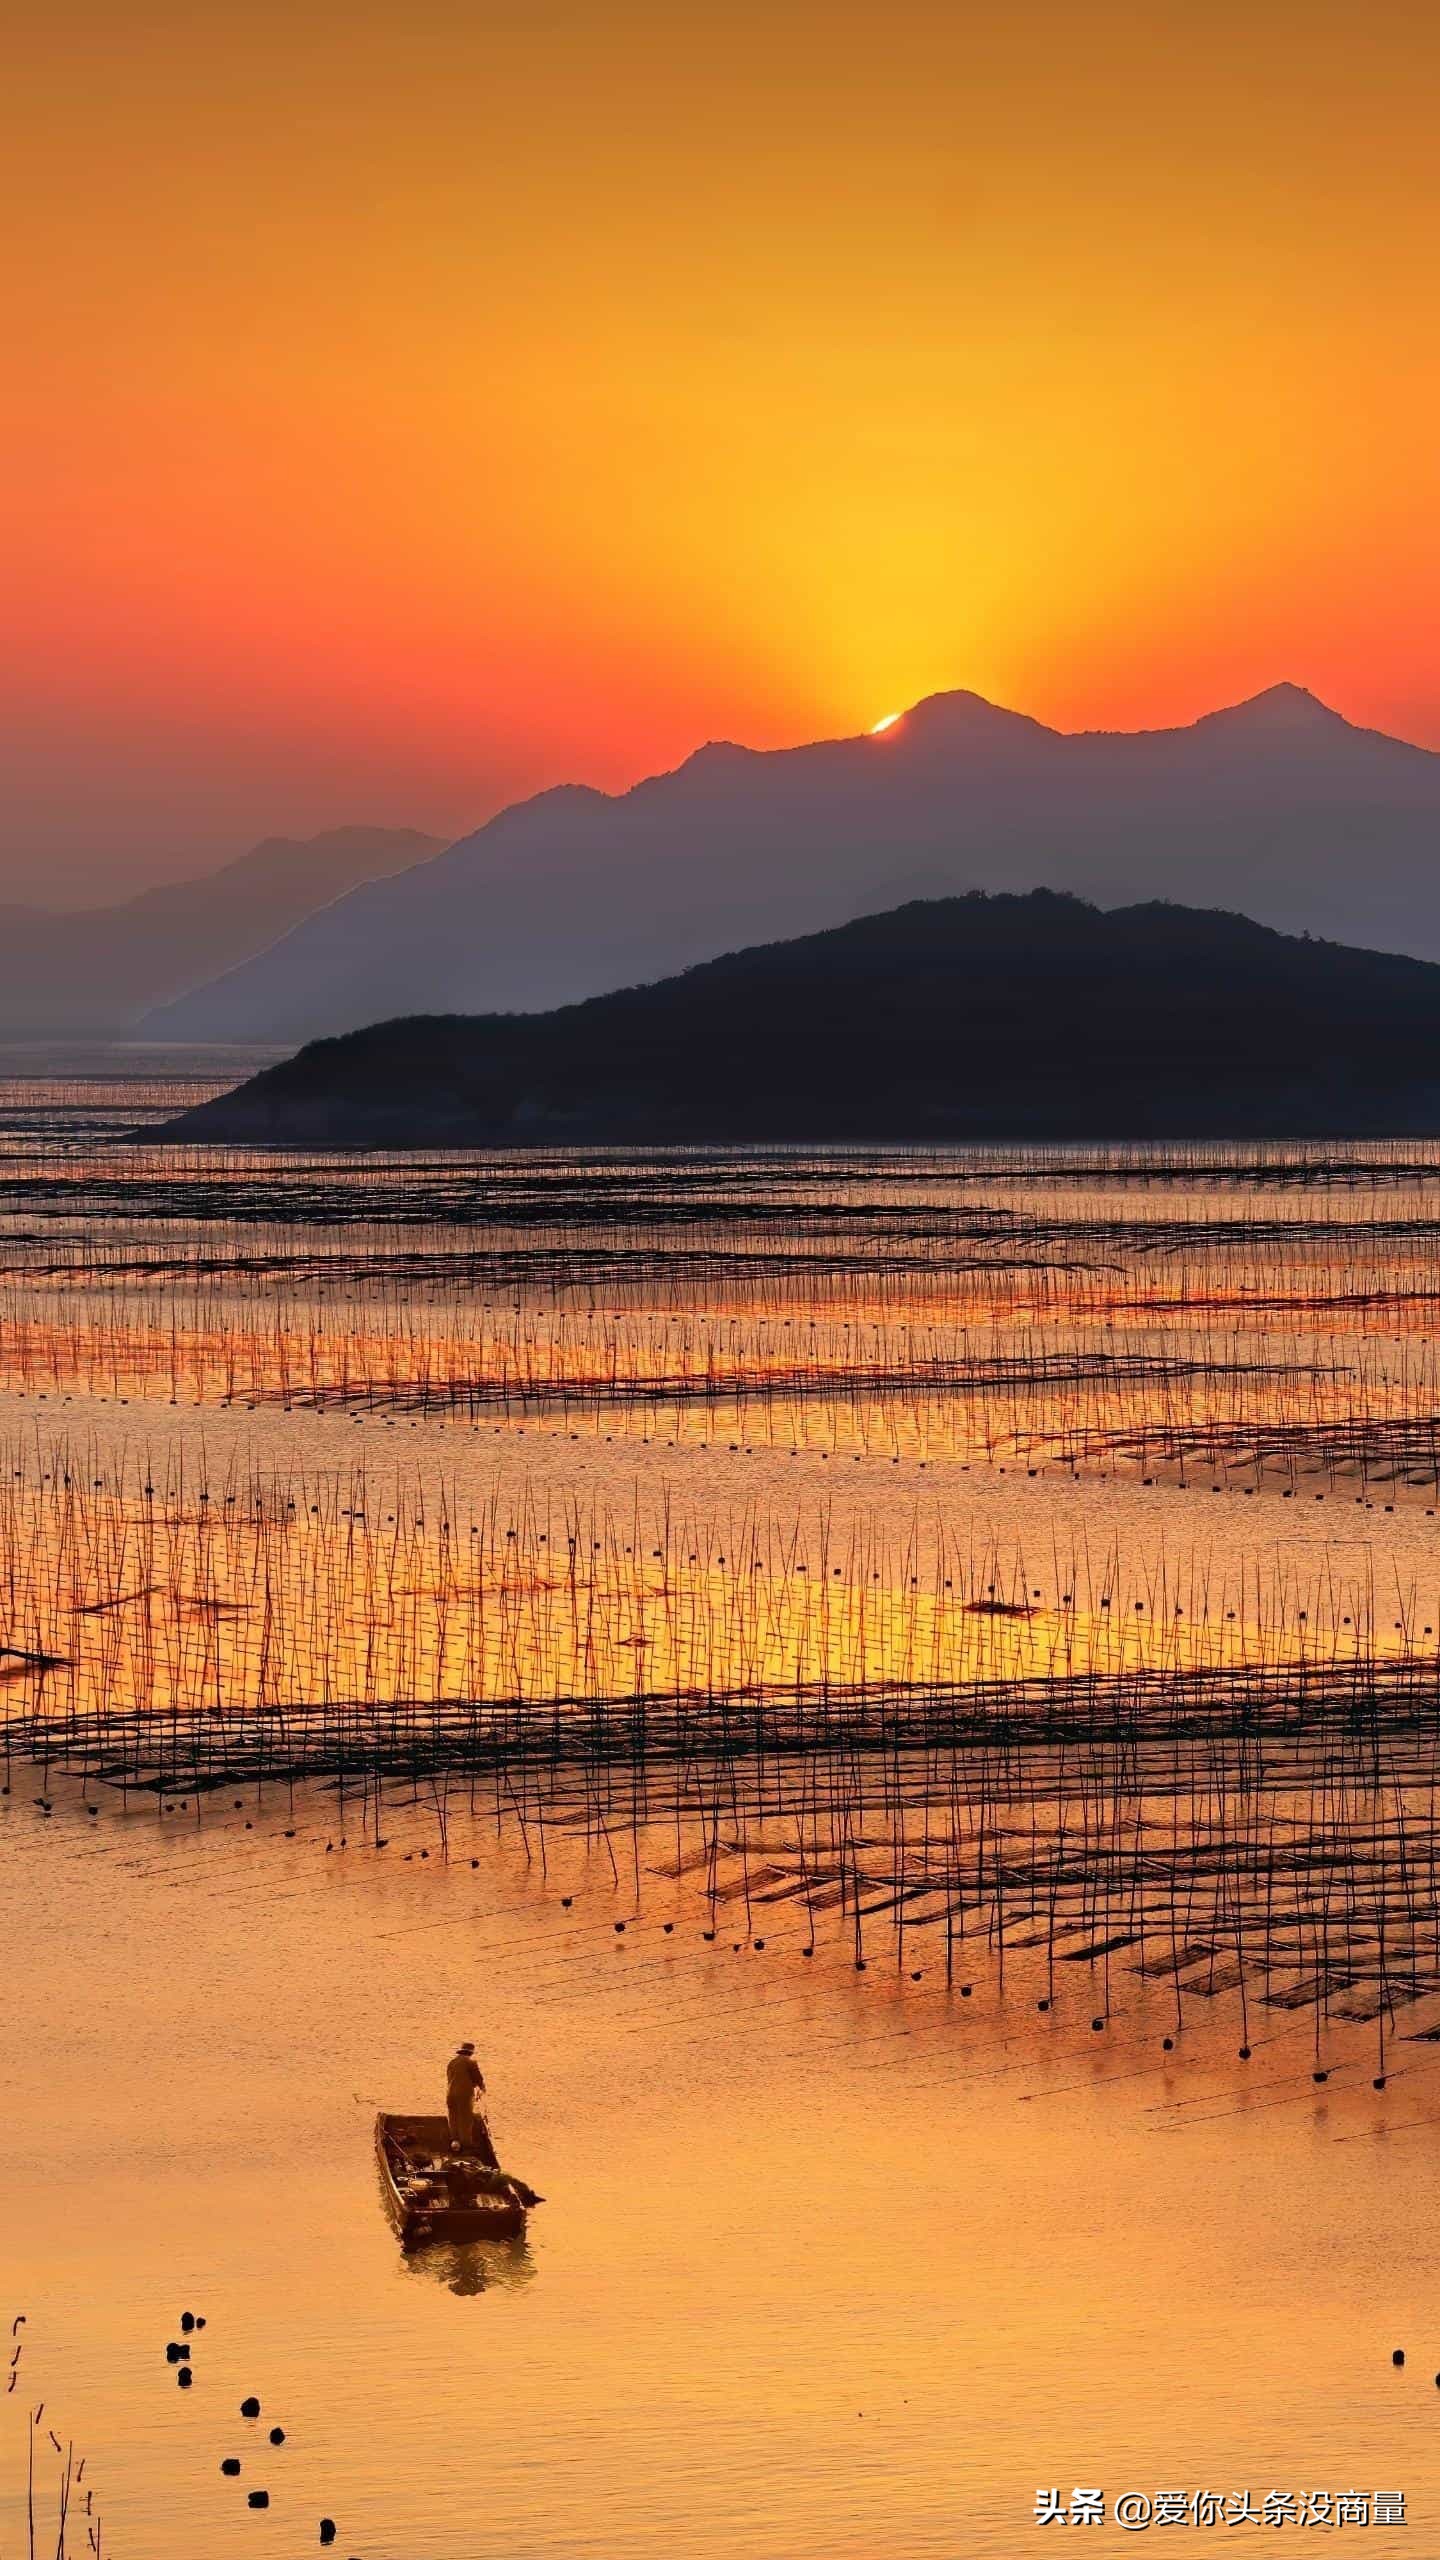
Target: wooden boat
{"x":434,"y":2193}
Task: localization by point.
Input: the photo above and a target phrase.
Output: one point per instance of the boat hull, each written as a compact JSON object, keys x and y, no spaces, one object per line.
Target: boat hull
{"x":420,"y":2176}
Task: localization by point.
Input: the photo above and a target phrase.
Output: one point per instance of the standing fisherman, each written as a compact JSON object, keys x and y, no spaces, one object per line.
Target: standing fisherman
{"x":464,"y":2081}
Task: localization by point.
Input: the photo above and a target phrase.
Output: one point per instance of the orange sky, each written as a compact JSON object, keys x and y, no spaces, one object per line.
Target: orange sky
{"x":414,"y":405}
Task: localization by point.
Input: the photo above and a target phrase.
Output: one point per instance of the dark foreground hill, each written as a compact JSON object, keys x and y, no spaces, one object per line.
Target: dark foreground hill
{"x":953,"y":1018}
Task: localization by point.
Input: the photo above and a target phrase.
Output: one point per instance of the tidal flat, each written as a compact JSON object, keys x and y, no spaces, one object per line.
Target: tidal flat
{"x":894,"y":1695}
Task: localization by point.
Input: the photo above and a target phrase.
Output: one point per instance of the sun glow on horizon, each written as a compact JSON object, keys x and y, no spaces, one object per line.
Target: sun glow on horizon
{"x":387,"y":478}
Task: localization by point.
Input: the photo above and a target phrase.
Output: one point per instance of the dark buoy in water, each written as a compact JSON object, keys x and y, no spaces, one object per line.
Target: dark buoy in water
{"x":1042,"y":2004}
{"x":184,"y":2377}
{"x":327,"y":2530}
{"x":758,"y":1945}
{"x":1378,"y":2083}
{"x":187,"y":2322}
{"x":566,"y":1899}
{"x":1397,"y":2355}
{"x":619,"y":1928}
{"x":807,"y":1952}
{"x":965,"y":1990}
{"x":250,"y":2408}
{"x":860,"y":1964}
{"x":176,"y":2352}
{"x":259,"y":2498}
{"x":668,"y":1927}
{"x":277,"y":2435}
{"x":230,"y":2467}
{"x":1096,"y":2026}
{"x":1244,"y":2053}
{"x":709,"y":1937}
{"x":1167,"y":2044}
{"x":1319,"y":2076}
{"x":915,"y":1977}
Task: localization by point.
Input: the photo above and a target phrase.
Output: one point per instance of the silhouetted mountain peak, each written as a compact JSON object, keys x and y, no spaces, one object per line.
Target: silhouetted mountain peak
{"x":99,"y":968}
{"x":961,"y":718}
{"x":1280,"y":709}
{"x":718,"y":750}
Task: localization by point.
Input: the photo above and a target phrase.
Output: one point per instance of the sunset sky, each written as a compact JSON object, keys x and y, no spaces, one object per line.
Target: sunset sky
{"x":411,"y":406}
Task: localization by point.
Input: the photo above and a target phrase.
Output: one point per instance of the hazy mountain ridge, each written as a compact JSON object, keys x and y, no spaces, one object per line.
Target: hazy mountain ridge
{"x":1278,"y":808}
{"x":97,"y":969}
{"x":968,"y":1017}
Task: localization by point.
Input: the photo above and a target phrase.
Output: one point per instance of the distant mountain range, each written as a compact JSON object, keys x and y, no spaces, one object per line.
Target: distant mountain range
{"x":96,"y":970}
{"x":1279,"y":809}
{"x":955,"y":1018}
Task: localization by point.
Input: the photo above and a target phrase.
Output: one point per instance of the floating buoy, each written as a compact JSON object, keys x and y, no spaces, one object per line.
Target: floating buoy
{"x":259,"y":2497}
{"x":1042,"y":2004}
{"x":1244,"y":2053}
{"x":277,"y":2435}
{"x":250,"y":2408}
{"x":1167,"y":2044}
{"x":230,"y":2467}
{"x":1096,"y":2024}
{"x":184,"y":2377}
{"x":327,"y":2529}
{"x":1398,"y":2356}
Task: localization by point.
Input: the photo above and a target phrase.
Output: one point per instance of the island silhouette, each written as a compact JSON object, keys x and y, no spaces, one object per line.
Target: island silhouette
{"x":943,"y":1019}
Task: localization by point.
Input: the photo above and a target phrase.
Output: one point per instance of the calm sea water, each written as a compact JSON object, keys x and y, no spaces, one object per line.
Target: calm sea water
{"x":830,"y":2262}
